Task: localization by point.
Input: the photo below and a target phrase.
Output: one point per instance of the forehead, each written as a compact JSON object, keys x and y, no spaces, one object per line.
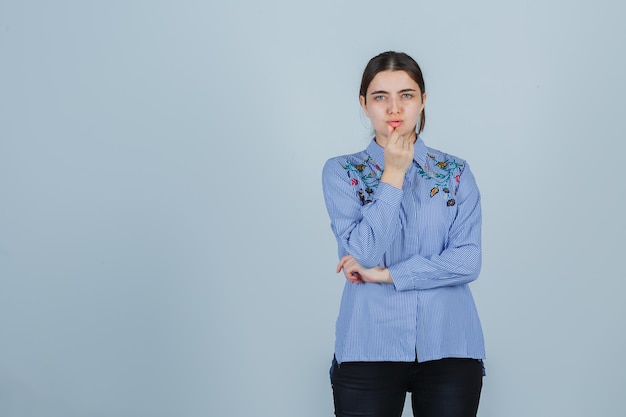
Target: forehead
{"x":392,"y":81}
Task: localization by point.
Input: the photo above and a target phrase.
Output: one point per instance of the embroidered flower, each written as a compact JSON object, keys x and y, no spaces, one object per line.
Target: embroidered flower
{"x":364,"y":175}
{"x":441,"y":174}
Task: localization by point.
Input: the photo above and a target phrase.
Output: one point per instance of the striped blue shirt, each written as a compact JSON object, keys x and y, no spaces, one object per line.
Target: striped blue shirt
{"x":428,"y":235}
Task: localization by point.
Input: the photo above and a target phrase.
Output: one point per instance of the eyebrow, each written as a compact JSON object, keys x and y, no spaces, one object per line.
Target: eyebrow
{"x":386,"y":92}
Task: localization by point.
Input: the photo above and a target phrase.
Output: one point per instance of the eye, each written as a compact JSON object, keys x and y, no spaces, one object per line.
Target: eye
{"x":379,"y":98}
{"x":407,"y":95}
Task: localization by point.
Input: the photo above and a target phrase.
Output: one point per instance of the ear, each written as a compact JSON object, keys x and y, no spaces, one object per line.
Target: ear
{"x":424,"y":97}
{"x":363,"y":105}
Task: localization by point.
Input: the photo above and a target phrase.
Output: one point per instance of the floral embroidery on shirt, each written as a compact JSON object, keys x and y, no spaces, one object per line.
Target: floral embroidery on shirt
{"x":368,"y":174}
{"x":445,"y":170}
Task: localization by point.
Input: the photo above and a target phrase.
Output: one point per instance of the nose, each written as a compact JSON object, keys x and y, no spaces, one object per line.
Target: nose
{"x":394,"y":106}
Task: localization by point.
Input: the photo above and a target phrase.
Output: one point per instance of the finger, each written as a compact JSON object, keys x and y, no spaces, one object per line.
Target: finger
{"x":354,"y":278}
{"x":407,"y":143}
{"x":342,"y":262}
{"x":407,"y":138}
{"x":350,"y":276}
{"x":349,"y":270}
{"x":393,"y":135}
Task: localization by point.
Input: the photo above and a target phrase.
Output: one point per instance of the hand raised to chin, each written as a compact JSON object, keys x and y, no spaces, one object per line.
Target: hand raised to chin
{"x":399,"y":152}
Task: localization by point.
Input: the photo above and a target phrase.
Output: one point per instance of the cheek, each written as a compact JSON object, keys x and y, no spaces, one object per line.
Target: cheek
{"x":371,"y":115}
{"x":417,"y":111}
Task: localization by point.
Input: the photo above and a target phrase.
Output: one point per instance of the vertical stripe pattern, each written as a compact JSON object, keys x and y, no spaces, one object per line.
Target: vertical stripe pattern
{"x":428,"y":235}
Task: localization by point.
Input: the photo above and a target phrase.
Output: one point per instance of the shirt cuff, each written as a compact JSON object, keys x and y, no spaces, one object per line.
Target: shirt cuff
{"x":401,"y":276}
{"x":389,"y":194}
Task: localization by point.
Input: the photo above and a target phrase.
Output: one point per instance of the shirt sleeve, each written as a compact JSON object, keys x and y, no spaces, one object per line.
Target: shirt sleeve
{"x":460,"y":261}
{"x":363,"y":231}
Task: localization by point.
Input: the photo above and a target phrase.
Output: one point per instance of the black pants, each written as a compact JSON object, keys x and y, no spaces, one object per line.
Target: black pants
{"x":444,"y":388}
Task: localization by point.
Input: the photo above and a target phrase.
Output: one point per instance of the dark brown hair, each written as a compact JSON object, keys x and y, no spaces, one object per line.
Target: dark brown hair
{"x":394,"y":61}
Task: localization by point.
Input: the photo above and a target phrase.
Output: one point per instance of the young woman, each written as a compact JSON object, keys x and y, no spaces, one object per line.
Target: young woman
{"x":407,"y":221}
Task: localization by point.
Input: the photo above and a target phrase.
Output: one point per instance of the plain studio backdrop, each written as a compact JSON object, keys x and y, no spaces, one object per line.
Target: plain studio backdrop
{"x":164,"y":245}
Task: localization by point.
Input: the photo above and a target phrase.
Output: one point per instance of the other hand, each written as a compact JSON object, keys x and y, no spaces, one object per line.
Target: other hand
{"x":355,"y":273}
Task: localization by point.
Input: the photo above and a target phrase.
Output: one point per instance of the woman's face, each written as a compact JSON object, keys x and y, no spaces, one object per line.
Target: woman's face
{"x":393,"y":101}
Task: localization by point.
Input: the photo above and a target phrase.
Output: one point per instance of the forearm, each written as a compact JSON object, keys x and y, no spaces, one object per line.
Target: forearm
{"x":369,"y":237}
{"x":364,"y":229}
{"x":459,"y":261}
{"x":456,"y":266}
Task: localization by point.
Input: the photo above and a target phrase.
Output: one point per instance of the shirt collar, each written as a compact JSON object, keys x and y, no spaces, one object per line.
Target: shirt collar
{"x":377,"y":152}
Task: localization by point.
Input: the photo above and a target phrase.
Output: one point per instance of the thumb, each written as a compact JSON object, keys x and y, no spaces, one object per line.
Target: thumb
{"x":341,"y":263}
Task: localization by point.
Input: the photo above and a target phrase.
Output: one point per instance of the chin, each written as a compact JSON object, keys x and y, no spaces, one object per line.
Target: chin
{"x":409,"y":132}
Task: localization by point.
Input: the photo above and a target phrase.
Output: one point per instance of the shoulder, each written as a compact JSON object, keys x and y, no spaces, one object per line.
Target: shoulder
{"x":356,"y":174}
{"x":449,"y":173}
{"x":433,"y":154}
{"x":353,"y":158}
{"x":343,"y":163}
{"x":445,"y":164}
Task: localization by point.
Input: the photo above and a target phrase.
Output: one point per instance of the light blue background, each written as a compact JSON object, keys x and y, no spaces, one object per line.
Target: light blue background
{"x":164,"y":247}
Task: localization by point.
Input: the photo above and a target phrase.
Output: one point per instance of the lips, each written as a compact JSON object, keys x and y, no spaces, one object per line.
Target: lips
{"x":394,"y":123}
